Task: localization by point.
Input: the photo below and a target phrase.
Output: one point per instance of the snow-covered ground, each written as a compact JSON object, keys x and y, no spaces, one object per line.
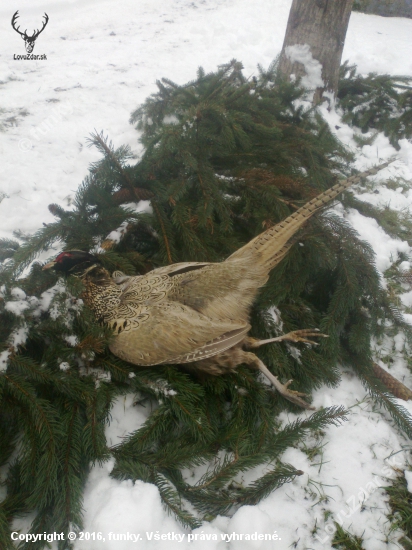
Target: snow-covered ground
{"x":103,"y":59}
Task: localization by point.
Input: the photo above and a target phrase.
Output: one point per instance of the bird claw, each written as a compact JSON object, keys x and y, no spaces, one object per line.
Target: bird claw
{"x":304,"y":335}
{"x":290,"y":395}
{"x":295,"y":336}
{"x":293,"y":395}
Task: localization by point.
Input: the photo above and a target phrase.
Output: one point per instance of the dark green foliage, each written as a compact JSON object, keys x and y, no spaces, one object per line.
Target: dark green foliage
{"x":7,"y":249}
{"x":377,"y":102}
{"x":224,"y":158}
{"x":52,"y":417}
{"x":386,"y":8}
{"x":396,"y":224}
{"x":345,"y":541}
{"x":400,"y":501}
{"x":219,"y":150}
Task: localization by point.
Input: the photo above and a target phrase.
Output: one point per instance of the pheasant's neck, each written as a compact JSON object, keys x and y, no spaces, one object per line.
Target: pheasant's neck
{"x":101,"y":293}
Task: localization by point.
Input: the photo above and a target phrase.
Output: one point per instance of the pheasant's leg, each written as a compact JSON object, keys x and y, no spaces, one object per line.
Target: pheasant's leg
{"x":294,"y":336}
{"x":294,"y":396}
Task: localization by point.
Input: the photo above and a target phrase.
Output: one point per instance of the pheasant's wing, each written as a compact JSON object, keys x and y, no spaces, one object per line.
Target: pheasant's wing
{"x":155,"y":286}
{"x":179,"y":268}
{"x":171,"y":270}
{"x":169,"y":332}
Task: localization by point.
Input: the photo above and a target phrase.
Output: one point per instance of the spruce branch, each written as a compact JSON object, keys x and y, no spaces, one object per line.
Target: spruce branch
{"x":172,"y":501}
{"x":220,"y":164}
{"x":5,"y":531}
{"x":262,"y":487}
{"x":163,"y":229}
{"x":99,"y":140}
{"x":399,"y":414}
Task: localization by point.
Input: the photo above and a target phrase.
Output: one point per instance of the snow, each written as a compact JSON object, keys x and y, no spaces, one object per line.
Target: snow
{"x":72,"y":340}
{"x":48,"y":295}
{"x":170,"y":119}
{"x":124,"y":508}
{"x":408,"y":318}
{"x":302,"y":54}
{"x":103,"y":62}
{"x":17,"y":306}
{"x":94,"y":79}
{"x":19,"y":336}
{"x":4,"y":357}
{"x":18,"y":293}
{"x":142,"y":206}
{"x":385,"y":247}
{"x":406,"y":298}
{"x":408,"y":476}
{"x":117,"y":234}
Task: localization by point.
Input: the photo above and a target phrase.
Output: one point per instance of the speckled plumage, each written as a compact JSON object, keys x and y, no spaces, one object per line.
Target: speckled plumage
{"x":199,"y":312}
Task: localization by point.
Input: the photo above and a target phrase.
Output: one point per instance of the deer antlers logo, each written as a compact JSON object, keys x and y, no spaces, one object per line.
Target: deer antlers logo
{"x":29,"y":41}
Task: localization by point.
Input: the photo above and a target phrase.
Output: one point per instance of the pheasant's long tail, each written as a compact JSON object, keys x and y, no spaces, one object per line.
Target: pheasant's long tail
{"x":270,"y":247}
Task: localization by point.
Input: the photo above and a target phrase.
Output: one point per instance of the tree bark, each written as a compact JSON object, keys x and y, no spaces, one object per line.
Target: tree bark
{"x":320,"y":25}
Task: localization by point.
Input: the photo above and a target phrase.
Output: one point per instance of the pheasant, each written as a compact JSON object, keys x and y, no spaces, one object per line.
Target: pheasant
{"x":196,"y":312}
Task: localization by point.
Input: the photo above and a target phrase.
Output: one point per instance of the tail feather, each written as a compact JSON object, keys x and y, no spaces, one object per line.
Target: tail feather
{"x":272,"y":245}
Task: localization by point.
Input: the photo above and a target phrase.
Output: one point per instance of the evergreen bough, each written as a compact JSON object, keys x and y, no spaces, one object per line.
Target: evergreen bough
{"x":224,"y":158}
{"x":376,"y":103}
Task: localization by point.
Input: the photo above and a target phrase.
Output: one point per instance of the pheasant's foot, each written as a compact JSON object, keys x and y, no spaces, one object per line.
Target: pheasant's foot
{"x":290,"y":395}
{"x":295,"y":336}
{"x":294,"y":396}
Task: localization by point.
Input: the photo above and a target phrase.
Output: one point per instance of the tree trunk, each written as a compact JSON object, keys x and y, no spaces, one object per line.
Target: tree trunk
{"x":313,"y":44}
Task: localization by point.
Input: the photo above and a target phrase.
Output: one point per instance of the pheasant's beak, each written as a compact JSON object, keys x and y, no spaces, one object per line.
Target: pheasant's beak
{"x":48,"y":266}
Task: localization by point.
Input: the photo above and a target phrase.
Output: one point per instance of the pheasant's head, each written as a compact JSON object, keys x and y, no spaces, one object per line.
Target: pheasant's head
{"x":72,"y":261}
